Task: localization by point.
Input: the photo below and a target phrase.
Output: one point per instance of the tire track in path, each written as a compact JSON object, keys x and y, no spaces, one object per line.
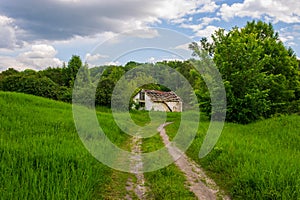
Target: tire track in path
{"x":198,"y":182}
{"x":136,"y":166}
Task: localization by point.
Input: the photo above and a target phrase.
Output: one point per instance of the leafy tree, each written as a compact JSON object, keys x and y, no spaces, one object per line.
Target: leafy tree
{"x":55,"y":74}
{"x":113,"y":72}
{"x":9,"y":72}
{"x":131,"y":65}
{"x":104,"y":92}
{"x":260,"y":75}
{"x":71,"y":70}
{"x":30,"y":84}
{"x":6,"y":73}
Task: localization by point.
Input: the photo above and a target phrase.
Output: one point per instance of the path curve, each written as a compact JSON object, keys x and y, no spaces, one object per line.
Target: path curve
{"x":198,"y":182}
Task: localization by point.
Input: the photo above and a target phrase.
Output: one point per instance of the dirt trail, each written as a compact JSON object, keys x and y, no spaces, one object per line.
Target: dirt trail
{"x":197,"y":181}
{"x":136,"y":167}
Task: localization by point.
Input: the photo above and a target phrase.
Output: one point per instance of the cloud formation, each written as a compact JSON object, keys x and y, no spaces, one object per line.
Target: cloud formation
{"x":57,"y":29}
{"x":37,"y":57}
{"x":8,"y":39}
{"x":62,"y":19}
{"x":287,"y":11}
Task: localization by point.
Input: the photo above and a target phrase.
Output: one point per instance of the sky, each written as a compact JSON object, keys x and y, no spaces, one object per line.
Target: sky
{"x":37,"y":34}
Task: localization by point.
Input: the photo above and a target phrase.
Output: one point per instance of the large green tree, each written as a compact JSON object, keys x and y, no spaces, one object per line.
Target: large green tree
{"x":71,"y":70}
{"x":260,"y":74}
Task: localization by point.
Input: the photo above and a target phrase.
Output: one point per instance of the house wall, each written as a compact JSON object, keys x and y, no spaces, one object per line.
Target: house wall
{"x":175,"y":106}
{"x":149,"y":105}
{"x":136,"y":98}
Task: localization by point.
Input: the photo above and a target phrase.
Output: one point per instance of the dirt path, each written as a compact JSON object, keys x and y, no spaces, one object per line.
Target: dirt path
{"x":197,"y":181}
{"x":136,"y":166}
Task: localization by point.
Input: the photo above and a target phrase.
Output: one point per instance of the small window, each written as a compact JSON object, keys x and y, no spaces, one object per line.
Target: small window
{"x":142,"y":104}
{"x":142,"y":95}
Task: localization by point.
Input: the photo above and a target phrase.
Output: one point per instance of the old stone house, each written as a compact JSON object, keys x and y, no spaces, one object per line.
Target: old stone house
{"x":158,"y":100}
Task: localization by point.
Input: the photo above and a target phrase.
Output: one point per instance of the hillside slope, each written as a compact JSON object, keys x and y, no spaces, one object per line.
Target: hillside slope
{"x":41,"y":155}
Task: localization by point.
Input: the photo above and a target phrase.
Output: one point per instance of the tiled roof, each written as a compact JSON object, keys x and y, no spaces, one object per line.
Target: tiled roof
{"x":160,"y":96}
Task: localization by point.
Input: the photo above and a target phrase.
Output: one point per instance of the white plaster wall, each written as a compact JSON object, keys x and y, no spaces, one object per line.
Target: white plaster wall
{"x":175,"y":106}
{"x":136,"y":98}
{"x":149,"y":105}
{"x":160,"y":107}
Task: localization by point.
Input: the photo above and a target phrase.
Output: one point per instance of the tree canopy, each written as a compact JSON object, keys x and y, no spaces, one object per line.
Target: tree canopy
{"x":260,"y":74}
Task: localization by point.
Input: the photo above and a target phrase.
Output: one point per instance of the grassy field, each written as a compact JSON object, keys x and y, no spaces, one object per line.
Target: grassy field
{"x":42,"y":157}
{"x":255,"y":161}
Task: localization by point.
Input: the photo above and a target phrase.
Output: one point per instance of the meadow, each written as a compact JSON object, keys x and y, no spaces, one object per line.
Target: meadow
{"x":255,"y":161}
{"x":42,"y":156}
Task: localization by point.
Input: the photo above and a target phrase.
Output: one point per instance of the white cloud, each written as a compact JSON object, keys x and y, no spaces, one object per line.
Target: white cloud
{"x":142,"y":33}
{"x":289,"y":36}
{"x":90,"y":17}
{"x":4,"y":20}
{"x":203,"y":26}
{"x":39,"y":51}
{"x":207,"y":32}
{"x":116,"y":63}
{"x":151,"y":60}
{"x":174,"y":9}
{"x":93,"y":59}
{"x":183,"y":46}
{"x":155,"y":60}
{"x":77,"y":25}
{"x":10,"y":62}
{"x":178,"y":20}
{"x":194,"y":27}
{"x":7,"y":33}
{"x":287,"y":11}
{"x":38,"y":57}
{"x":208,"y":20}
{"x":209,"y":7}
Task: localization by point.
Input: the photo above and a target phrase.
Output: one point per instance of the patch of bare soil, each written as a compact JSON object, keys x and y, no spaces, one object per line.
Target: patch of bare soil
{"x":197,"y":181}
{"x":138,"y":187}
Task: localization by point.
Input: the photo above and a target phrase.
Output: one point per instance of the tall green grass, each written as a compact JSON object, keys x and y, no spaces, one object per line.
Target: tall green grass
{"x":41,"y":155}
{"x":255,"y":161}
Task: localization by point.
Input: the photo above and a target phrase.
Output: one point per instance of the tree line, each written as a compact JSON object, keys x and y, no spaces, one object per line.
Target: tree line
{"x":260,"y":75}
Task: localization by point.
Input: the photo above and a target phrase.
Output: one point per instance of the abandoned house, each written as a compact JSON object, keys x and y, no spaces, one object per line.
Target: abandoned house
{"x":158,"y":101}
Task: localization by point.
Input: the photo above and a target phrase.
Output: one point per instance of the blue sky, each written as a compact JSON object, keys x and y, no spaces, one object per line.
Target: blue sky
{"x":36,"y":34}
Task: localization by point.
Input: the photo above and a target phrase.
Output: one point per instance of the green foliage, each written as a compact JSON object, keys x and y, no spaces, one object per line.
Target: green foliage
{"x":104,"y":92}
{"x":168,"y":183}
{"x":30,"y":84}
{"x":53,"y":83}
{"x":55,"y":74}
{"x":57,"y":83}
{"x":71,"y":70}
{"x":131,"y":65}
{"x":260,"y":75}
